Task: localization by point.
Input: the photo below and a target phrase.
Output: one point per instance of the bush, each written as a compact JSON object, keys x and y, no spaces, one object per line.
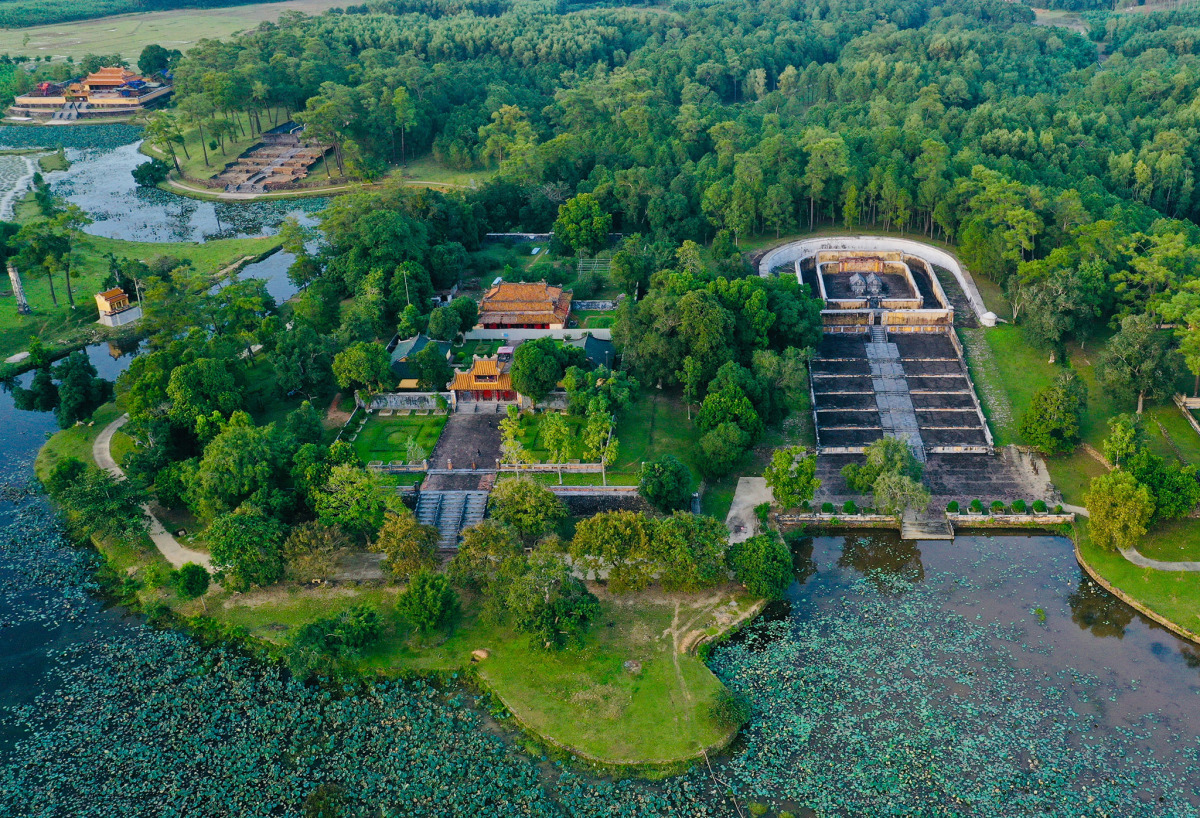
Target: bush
{"x":997,"y":507}
{"x":763,"y":564}
{"x":152,"y":173}
{"x":805,"y":506}
{"x":346,"y":634}
{"x":952,"y":506}
{"x":849,"y":507}
{"x":729,"y":710}
{"x":1058,"y":510}
{"x":827,"y":508}
{"x":190,"y":581}
{"x":977,"y":506}
{"x":1018,"y":506}
{"x":1039,"y":506}
{"x":762,"y":511}
{"x":666,"y":483}
{"x":428,"y":602}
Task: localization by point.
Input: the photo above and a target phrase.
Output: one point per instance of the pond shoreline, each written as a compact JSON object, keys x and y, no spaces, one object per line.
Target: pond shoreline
{"x":1132,"y":602}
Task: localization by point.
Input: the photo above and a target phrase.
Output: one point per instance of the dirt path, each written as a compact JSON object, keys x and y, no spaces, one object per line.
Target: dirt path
{"x":335,"y":418}
{"x":171,"y":549}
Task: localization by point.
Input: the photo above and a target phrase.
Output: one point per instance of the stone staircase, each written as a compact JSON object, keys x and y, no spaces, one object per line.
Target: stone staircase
{"x":450,"y":512}
{"x":878,"y":334}
{"x":928,"y":525}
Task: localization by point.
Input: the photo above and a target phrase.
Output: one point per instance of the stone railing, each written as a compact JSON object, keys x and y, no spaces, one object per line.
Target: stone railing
{"x":838,"y":519}
{"x":988,"y":518}
{"x":413,"y":401}
{"x":597,"y":305}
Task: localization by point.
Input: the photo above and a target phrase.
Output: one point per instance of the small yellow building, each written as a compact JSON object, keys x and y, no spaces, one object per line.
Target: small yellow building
{"x":112,"y":301}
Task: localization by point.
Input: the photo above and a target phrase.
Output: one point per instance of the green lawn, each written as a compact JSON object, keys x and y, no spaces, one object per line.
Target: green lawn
{"x":1072,"y":473}
{"x":1174,"y":540}
{"x":1172,"y":594}
{"x":531,"y":438}
{"x":427,"y":170}
{"x":268,"y":613}
{"x":75,"y":442}
{"x":468,"y":349}
{"x":386,"y":438}
{"x":583,"y":697}
{"x":59,"y":326}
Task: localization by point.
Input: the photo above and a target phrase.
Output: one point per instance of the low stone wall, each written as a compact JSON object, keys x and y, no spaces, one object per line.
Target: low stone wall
{"x":413,"y":401}
{"x":836,"y":520}
{"x":988,"y":520}
{"x":840,"y":520}
{"x":585,"y":504}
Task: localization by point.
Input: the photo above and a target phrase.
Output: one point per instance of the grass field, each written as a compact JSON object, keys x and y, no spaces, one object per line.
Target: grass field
{"x":425,"y":170}
{"x":386,"y":438}
{"x":74,"y":442}
{"x":583,"y":697}
{"x":1173,"y":594}
{"x":128,"y":34}
{"x":60,"y":326}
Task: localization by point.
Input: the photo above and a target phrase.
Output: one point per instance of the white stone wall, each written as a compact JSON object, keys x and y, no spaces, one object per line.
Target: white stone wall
{"x":807,"y":248}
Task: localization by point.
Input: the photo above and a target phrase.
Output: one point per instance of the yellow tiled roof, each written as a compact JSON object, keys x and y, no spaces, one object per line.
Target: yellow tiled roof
{"x":509,"y":298}
{"x":466,"y":382}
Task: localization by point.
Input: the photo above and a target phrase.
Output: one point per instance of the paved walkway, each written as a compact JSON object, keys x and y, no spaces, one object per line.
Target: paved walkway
{"x":741,"y":520}
{"x":174,"y":552}
{"x":1158,"y":565}
{"x":1137,"y":559}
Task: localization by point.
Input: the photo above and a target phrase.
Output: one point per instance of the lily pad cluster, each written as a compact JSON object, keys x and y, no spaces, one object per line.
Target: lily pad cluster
{"x":886,"y":700}
{"x":888,"y":687}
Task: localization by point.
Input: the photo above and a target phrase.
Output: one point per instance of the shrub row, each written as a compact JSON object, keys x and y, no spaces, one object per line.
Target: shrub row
{"x":998,"y":507}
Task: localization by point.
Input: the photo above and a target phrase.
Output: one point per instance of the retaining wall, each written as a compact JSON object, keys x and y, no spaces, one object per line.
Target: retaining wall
{"x":807,"y":248}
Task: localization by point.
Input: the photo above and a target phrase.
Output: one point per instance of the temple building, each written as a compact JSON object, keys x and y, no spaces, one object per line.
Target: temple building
{"x":488,"y":380}
{"x":403,"y":352}
{"x":115,"y":309}
{"x":539,"y":305}
{"x":105,"y":93}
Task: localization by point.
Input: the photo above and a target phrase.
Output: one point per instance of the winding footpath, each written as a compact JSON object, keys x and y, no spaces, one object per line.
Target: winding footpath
{"x":1135,"y":557}
{"x":172,"y":550}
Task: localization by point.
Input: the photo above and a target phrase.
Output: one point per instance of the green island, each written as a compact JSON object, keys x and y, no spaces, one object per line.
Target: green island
{"x":599,"y":328}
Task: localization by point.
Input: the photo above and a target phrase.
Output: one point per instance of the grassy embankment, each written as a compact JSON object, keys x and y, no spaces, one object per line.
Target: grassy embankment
{"x":581,"y":699}
{"x":1007,"y":372}
{"x":61,"y":328}
{"x":136,"y":558}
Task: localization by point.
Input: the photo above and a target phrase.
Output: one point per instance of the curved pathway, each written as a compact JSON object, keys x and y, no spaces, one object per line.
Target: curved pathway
{"x":1135,"y":557}
{"x":171,"y":549}
{"x":804,"y":248}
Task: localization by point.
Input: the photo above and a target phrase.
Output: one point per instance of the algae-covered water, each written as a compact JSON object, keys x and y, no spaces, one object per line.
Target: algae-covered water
{"x":100,"y":182}
{"x":980,"y":677}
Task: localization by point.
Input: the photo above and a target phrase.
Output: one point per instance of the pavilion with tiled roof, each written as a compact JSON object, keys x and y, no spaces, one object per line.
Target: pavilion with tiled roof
{"x":488,"y":380}
{"x":534,"y":305}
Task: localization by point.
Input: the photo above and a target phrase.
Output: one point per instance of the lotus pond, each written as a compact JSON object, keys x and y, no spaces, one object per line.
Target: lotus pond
{"x":984,"y":677}
{"x":99,"y":181}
